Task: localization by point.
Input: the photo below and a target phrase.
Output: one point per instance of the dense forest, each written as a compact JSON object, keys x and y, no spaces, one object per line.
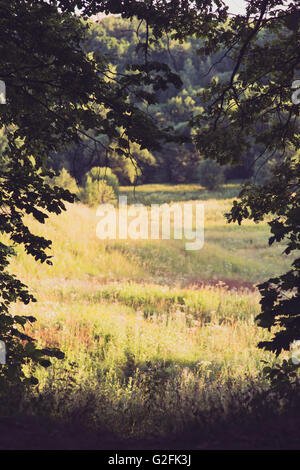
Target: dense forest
{"x":119,"y":40}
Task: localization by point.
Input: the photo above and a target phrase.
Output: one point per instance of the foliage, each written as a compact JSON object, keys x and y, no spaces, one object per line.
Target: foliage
{"x":64,"y":180}
{"x":105,"y":174}
{"x":119,"y":39}
{"x":284,"y":377}
{"x":97,"y":192}
{"x":280,"y":295}
{"x":3,"y":143}
{"x":255,"y":106}
{"x":101,"y":186}
{"x":211,"y":174}
{"x":54,"y":92}
{"x":133,"y":168}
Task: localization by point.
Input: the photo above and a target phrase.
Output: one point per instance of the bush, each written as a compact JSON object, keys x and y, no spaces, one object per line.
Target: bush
{"x":132,"y":170}
{"x":98,"y":174}
{"x":64,"y":180}
{"x":210,"y":174}
{"x":101,"y":187}
{"x":97,"y":192}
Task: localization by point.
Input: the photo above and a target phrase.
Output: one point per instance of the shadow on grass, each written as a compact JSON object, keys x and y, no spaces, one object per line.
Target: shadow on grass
{"x":242,"y":432}
{"x":244,"y":417}
{"x":162,"y":194}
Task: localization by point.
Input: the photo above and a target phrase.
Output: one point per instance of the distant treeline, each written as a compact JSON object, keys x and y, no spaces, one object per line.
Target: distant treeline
{"x":117,"y":40}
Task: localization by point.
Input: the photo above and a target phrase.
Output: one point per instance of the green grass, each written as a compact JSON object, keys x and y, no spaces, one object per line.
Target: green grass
{"x":167,"y":193}
{"x":230,"y":251}
{"x":142,"y":353}
{"x":147,"y":350}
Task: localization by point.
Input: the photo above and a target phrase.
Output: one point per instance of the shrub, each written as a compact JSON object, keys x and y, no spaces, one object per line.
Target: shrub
{"x":101,"y":187}
{"x":97,"y":192}
{"x":132,"y":170}
{"x":104,"y":174}
{"x":210,"y":174}
{"x":64,"y":180}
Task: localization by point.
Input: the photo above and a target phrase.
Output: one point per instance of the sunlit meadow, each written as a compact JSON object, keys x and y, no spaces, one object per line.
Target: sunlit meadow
{"x":155,"y":337}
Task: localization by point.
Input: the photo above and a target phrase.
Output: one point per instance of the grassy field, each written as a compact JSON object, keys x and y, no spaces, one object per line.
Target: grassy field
{"x":230,"y":251}
{"x":157,"y":339}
